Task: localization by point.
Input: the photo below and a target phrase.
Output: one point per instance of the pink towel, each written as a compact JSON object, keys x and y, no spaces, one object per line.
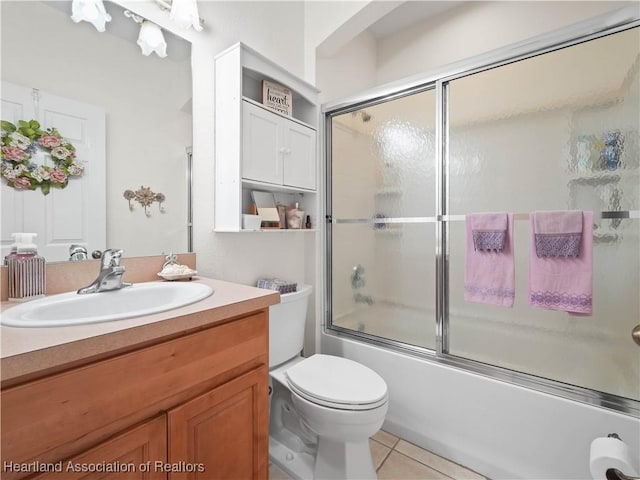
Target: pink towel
{"x":563,"y":283}
{"x":489,"y":275}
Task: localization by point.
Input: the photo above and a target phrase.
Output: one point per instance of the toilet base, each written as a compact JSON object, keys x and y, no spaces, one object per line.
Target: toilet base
{"x":298,"y":465}
{"x":338,"y":460}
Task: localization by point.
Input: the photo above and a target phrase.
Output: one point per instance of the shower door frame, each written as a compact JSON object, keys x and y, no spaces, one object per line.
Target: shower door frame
{"x":591,"y":29}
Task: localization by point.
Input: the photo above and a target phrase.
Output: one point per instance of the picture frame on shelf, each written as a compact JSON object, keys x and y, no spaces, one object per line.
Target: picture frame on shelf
{"x":277,"y":98}
{"x":267,"y":209}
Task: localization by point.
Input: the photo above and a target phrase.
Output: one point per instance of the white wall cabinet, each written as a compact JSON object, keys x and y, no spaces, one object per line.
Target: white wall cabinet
{"x":277,"y":150}
{"x":256,"y":148}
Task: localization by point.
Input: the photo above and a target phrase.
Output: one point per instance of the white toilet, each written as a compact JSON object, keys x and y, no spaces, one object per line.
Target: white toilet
{"x":324,"y":408}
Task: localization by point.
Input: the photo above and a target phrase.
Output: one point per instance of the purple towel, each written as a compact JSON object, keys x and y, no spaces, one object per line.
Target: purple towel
{"x":489,"y":231}
{"x":489,"y":275}
{"x":563,"y":282}
{"x":557,"y":234}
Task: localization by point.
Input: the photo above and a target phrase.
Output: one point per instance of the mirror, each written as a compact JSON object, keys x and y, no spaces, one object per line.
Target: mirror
{"x":147,"y":119}
{"x":266,"y":205}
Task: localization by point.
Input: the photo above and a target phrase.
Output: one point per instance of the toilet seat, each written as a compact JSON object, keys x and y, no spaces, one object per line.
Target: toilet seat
{"x":337,"y":382}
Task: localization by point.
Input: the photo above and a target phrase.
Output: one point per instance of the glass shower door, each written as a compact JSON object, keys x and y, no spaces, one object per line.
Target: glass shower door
{"x":382,"y":230}
{"x":558,"y":131}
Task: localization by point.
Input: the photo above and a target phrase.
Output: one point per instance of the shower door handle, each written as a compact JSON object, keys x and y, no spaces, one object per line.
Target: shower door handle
{"x":635,"y":334}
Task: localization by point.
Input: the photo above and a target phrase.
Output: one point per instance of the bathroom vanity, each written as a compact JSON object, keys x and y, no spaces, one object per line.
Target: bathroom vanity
{"x":177,"y":394}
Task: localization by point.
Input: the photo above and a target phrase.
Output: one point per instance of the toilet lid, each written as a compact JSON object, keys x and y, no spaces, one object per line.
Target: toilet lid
{"x":337,"y":382}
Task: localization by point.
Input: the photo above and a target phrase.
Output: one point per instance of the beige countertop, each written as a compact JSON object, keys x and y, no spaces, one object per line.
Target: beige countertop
{"x":28,"y":353}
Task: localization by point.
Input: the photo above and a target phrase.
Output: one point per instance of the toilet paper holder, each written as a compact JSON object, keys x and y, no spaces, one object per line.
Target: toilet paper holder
{"x":614,"y":473}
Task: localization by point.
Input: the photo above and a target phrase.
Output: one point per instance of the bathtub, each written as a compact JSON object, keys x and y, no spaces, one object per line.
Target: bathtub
{"x":501,"y":430}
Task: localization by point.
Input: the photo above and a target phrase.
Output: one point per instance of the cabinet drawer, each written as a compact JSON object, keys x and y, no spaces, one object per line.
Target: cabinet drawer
{"x":59,"y":416}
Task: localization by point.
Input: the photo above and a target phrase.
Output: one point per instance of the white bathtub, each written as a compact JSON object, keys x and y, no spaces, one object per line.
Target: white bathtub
{"x":563,"y":354}
{"x":499,"y":429}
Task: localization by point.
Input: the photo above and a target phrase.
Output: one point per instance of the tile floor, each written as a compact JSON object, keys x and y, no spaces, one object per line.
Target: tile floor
{"x":397,"y":459}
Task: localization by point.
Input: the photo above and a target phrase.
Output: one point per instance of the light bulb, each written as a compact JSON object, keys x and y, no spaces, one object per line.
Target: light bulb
{"x":151,"y":39}
{"x":91,"y":11}
{"x":185,"y":14}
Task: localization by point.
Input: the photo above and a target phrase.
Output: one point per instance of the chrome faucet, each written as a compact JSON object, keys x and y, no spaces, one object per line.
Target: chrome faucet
{"x":357,"y":277}
{"x":357,"y":282}
{"x":77,"y":252}
{"x":110,"y":276}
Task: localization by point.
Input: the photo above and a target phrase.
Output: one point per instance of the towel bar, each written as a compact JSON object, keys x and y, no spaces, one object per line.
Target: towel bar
{"x":610,"y":215}
{"x":634,"y":214}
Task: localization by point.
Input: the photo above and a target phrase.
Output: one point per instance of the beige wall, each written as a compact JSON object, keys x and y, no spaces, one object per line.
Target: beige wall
{"x":474,"y":28}
{"x":469,"y":29}
{"x":351,"y":70}
{"x":237,"y":257}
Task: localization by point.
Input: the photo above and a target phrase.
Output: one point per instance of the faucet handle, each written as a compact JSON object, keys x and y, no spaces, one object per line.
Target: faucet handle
{"x":111,"y":257}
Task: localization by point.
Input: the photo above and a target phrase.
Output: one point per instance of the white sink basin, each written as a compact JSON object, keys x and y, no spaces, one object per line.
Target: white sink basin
{"x":134,"y":301}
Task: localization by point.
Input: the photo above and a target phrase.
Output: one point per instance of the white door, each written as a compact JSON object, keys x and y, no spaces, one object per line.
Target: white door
{"x":262,"y":148}
{"x":300,"y":156}
{"x":77,"y":213}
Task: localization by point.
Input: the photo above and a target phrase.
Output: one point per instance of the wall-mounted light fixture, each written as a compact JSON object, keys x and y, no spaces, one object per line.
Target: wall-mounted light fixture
{"x":183,"y":12}
{"x":150,"y":38}
{"x":91,"y":11}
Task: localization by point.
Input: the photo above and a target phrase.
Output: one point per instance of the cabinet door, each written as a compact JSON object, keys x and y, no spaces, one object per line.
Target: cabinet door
{"x":223,"y":432}
{"x":299,"y":164}
{"x":137,"y":454}
{"x":262,"y":148}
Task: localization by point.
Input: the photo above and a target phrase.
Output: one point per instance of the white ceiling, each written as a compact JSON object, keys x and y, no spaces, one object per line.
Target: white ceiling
{"x":408,"y":14}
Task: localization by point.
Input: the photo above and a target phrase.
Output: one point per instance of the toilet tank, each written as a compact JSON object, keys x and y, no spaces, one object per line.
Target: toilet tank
{"x":286,"y":325}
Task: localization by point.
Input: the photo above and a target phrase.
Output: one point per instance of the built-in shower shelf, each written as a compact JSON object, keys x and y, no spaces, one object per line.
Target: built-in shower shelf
{"x":384,"y":191}
{"x":603,"y":178}
{"x":392,"y":232}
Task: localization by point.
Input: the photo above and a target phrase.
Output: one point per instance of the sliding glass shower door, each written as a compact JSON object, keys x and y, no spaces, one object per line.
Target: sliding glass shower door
{"x":549,"y":129}
{"x":558,"y":131}
{"x":382,"y":205}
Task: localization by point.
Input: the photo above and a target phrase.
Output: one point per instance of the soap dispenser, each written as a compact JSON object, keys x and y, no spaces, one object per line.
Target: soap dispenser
{"x":26,"y":269}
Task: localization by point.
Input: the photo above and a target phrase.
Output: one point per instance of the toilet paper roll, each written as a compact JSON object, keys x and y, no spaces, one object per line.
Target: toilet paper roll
{"x":610,"y":452}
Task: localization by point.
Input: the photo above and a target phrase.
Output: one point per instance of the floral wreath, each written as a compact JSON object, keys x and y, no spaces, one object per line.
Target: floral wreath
{"x":20,"y":142}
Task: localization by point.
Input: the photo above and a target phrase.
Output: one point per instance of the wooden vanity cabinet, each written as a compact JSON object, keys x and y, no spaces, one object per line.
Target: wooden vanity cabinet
{"x":219,"y":430}
{"x":193,"y":407}
{"x":131,"y":449}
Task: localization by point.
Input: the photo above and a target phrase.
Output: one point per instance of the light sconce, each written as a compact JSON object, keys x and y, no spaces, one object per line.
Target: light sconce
{"x":150,"y":38}
{"x":183,"y":12}
{"x":91,"y":11}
